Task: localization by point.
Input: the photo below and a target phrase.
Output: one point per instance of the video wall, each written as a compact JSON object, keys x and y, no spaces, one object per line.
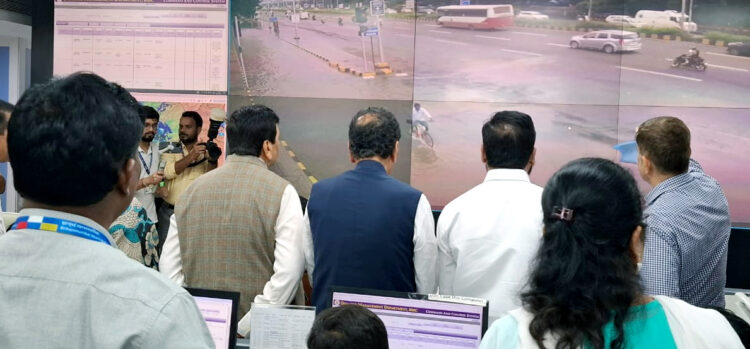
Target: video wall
{"x":172,"y":55}
{"x":318,"y":63}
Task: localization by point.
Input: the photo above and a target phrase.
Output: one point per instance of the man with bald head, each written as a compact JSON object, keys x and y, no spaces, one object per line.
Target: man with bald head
{"x":367,"y":229}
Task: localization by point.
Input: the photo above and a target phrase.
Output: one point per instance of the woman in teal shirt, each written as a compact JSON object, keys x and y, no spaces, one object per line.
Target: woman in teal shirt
{"x":584,"y":290}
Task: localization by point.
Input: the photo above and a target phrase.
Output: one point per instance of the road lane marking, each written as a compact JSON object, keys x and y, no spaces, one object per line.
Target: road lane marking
{"x":717,"y":66}
{"x":301,"y":166}
{"x":451,"y":42}
{"x":726,"y":55}
{"x":558,"y":45}
{"x":729,"y":68}
{"x":523,"y":52}
{"x":434,"y":25}
{"x":440,"y":32}
{"x":658,"y":73}
{"x":492,"y":37}
{"x":402,"y":74}
{"x":527,"y":33}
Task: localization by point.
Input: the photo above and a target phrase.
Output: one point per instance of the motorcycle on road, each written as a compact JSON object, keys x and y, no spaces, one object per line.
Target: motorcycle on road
{"x":692,"y":62}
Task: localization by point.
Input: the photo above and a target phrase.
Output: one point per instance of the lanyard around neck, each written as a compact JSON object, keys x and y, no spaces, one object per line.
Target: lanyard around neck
{"x":61,"y":226}
{"x":147,"y":167}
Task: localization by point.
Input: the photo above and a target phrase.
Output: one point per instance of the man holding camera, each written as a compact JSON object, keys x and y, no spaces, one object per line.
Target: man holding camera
{"x":184,"y":164}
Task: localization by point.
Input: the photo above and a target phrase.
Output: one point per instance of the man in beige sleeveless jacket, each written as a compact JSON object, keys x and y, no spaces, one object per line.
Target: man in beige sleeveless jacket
{"x":239,"y":227}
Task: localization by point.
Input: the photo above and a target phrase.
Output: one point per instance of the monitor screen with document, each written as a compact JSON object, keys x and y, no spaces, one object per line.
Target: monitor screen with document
{"x":418,"y":321}
{"x":219,"y":310}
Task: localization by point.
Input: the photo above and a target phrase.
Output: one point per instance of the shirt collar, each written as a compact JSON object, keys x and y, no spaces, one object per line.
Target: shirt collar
{"x":668,"y":185}
{"x":370,"y":166}
{"x":68,"y":217}
{"x":247,"y":159}
{"x":148,"y":151}
{"x":503,"y":174}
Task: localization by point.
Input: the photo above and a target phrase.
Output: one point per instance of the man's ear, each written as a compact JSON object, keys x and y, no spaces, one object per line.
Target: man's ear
{"x":395,"y":152}
{"x":351,"y":156}
{"x":127,"y":177}
{"x":532,"y":159}
{"x":484,"y":154}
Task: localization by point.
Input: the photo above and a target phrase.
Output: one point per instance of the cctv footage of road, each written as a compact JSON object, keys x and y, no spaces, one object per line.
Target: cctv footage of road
{"x":585,"y":88}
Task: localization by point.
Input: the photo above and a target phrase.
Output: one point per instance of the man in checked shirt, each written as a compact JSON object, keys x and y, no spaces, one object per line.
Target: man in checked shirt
{"x":687,"y":218}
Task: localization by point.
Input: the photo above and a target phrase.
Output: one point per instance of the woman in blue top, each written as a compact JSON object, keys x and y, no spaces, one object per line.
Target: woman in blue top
{"x":584,"y":290}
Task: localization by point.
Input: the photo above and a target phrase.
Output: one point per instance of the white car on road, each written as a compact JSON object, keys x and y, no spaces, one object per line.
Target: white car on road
{"x":532,"y":15}
{"x":609,"y":41}
{"x":625,"y":20}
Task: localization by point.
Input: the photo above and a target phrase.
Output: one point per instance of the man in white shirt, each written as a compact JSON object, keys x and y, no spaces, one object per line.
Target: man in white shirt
{"x":239,"y":227}
{"x":367,"y":229}
{"x":488,"y":236}
{"x":148,"y":154}
{"x":65,"y":284}
{"x":420,"y":116}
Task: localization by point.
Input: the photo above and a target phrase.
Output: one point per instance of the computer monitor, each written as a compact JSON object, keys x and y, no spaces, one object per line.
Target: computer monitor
{"x":219,"y":309}
{"x":414,"y":321}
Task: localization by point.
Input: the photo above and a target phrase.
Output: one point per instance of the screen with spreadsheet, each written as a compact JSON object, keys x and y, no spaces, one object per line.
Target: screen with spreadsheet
{"x":420,"y":323}
{"x":145,"y":45}
{"x":217,"y":312}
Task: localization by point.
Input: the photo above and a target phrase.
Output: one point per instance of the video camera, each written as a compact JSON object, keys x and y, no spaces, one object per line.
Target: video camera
{"x":217,"y":118}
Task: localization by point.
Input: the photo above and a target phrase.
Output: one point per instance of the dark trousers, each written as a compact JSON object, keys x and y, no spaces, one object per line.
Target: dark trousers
{"x":164,"y":213}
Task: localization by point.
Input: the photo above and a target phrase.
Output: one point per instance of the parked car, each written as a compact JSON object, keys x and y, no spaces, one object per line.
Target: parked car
{"x":532,"y":15}
{"x":425,"y":9}
{"x":609,"y":41}
{"x":739,"y":48}
{"x":625,"y":20}
{"x":390,"y":11}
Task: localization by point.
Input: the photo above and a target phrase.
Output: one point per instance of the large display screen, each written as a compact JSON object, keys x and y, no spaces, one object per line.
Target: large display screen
{"x":587,"y":82}
{"x":176,"y":45}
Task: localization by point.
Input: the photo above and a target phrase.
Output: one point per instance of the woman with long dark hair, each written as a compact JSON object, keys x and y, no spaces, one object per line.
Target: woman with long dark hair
{"x":584,"y":290}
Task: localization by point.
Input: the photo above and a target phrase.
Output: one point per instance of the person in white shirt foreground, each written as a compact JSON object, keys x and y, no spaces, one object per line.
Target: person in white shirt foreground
{"x":64,"y":282}
{"x":239,"y":227}
{"x":584,"y":289}
{"x":488,"y":236}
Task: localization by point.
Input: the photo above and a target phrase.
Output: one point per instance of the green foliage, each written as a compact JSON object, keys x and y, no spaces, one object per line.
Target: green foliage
{"x":718,"y":36}
{"x":244,"y":8}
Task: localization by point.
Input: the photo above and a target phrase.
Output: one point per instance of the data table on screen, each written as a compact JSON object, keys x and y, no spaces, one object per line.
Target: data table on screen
{"x":144,"y":46}
{"x":218,"y":314}
{"x":416,"y":323}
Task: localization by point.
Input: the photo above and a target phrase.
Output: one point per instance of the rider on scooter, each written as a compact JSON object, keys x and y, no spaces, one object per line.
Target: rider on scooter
{"x":693,"y":56}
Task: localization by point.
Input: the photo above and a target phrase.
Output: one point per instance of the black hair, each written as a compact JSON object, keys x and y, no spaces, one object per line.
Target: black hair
{"x":69,"y":138}
{"x":146,"y":112}
{"x":5,"y":110}
{"x":584,"y":275}
{"x":373,"y":132}
{"x":740,"y":326}
{"x":508,"y":139}
{"x":347,"y":326}
{"x":248,"y":127}
{"x":195,"y":116}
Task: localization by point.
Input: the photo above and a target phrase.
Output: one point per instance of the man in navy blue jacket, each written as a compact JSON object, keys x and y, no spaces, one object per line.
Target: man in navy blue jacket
{"x":367,"y":229}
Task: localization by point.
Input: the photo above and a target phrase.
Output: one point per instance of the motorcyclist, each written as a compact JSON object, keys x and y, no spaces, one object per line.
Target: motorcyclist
{"x":692,"y":56}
